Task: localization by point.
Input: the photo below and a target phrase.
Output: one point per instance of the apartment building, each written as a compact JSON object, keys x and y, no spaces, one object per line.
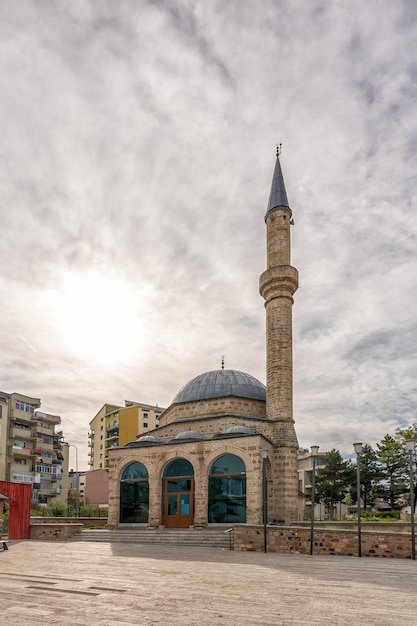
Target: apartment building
{"x":30,"y":448}
{"x":115,"y":426}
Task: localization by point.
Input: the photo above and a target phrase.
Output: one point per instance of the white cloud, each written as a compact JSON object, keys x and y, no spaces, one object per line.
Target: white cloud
{"x":138,"y":147}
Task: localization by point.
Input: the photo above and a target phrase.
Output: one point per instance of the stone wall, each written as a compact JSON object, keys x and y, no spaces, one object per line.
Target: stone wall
{"x":212,"y":407}
{"x":54,"y":531}
{"x":86,"y":522}
{"x":329,"y":541}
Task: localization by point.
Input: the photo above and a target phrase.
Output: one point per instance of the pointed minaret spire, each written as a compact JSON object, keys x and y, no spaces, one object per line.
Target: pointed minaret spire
{"x":278,"y":194}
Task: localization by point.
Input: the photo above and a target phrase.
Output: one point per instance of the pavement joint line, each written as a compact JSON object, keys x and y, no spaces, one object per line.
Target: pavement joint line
{"x":75,"y":591}
{"x":32,"y":577}
{"x":109,"y":589}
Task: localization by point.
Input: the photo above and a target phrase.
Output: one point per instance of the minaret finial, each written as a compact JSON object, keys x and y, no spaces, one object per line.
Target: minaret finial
{"x":279,"y":148}
{"x":222,"y":361}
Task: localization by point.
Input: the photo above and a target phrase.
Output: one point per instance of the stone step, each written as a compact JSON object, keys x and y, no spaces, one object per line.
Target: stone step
{"x":175,"y":537}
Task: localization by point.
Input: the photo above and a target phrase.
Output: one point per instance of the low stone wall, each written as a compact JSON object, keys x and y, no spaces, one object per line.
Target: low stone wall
{"x":329,"y":541}
{"x":392,"y":527}
{"x":86,"y":522}
{"x":54,"y":531}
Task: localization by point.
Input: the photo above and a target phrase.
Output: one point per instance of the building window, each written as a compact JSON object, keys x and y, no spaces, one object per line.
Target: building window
{"x":134,"y":494}
{"x":145,"y":416}
{"x":145,"y":424}
{"x":227,"y":490}
{"x":24,"y":406}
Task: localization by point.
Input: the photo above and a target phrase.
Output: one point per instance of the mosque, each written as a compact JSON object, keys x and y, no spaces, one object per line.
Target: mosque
{"x":204,"y":464}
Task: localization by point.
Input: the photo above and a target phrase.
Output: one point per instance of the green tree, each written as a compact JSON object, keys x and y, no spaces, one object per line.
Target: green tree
{"x":395,"y":474}
{"x":401,"y":434}
{"x":371,"y":475}
{"x":334,"y":479}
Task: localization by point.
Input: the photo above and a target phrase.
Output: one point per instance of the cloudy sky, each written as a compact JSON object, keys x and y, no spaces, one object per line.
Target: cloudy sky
{"x":136,"y":156}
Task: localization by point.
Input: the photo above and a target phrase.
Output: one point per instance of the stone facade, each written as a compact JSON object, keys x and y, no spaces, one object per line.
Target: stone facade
{"x":201,"y":455}
{"x":213,"y":407}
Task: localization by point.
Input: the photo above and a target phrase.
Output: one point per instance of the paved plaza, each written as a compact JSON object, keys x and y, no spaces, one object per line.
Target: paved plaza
{"x":111,"y":584}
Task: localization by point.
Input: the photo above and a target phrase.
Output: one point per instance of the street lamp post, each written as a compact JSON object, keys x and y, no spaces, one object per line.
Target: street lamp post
{"x":358,"y":449}
{"x":410,"y":444}
{"x":264,"y":456}
{"x":314,"y":452}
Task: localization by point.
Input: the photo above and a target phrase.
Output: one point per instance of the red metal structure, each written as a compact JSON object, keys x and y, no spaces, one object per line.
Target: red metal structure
{"x":20,"y":496}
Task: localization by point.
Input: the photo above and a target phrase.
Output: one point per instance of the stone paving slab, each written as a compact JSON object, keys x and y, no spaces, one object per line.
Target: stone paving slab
{"x":101,"y":584}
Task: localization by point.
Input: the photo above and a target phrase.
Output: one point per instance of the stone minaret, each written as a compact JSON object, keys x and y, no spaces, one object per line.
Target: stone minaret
{"x":277,"y":286}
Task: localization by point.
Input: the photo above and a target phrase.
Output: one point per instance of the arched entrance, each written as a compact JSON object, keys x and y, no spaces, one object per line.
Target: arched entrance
{"x":134,"y":494}
{"x":178,"y":494}
{"x":227,"y":490}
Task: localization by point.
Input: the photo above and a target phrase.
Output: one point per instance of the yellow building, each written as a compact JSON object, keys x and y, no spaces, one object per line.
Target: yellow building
{"x":30,"y":448}
{"x":115,"y":426}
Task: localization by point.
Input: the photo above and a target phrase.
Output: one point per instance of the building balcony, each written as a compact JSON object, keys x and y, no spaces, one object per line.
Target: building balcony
{"x":20,"y":451}
{"x":41,"y":430}
{"x":19,"y":475}
{"x":45,"y":460}
{"x":39,"y":416}
{"x":18,"y":468}
{"x":21,"y":416}
{"x":21,"y":432}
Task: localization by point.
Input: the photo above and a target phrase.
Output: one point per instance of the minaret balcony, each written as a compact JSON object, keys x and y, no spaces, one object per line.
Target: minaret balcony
{"x":280,"y":281}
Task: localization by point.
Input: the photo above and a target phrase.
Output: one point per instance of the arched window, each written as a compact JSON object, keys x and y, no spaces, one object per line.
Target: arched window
{"x":134,"y":494}
{"x":227,"y":490}
{"x":178,"y":467}
{"x":178,"y":494}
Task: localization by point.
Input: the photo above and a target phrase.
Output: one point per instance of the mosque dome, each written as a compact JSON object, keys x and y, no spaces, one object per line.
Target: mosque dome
{"x":146,"y":440}
{"x":219,"y":384}
{"x":234,"y":431}
{"x":189,"y":434}
{"x":238,"y":430}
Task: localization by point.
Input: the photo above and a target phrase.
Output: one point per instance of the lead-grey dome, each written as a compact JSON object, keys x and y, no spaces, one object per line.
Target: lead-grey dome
{"x":190,"y":434}
{"x":145,"y":440}
{"x":238,"y":430}
{"x":221,"y":383}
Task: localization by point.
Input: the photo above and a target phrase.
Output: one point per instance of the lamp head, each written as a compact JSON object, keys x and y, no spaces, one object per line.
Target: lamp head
{"x":314,"y":450}
{"x":264,"y":454}
{"x":410,"y":444}
{"x":358,"y":447}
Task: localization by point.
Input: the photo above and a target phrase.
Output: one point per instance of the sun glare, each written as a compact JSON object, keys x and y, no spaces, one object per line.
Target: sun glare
{"x":102,"y":318}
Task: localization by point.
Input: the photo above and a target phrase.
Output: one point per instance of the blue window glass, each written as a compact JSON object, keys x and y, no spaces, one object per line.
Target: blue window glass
{"x":178,"y":467}
{"x":134,"y":471}
{"x":227,"y":490}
